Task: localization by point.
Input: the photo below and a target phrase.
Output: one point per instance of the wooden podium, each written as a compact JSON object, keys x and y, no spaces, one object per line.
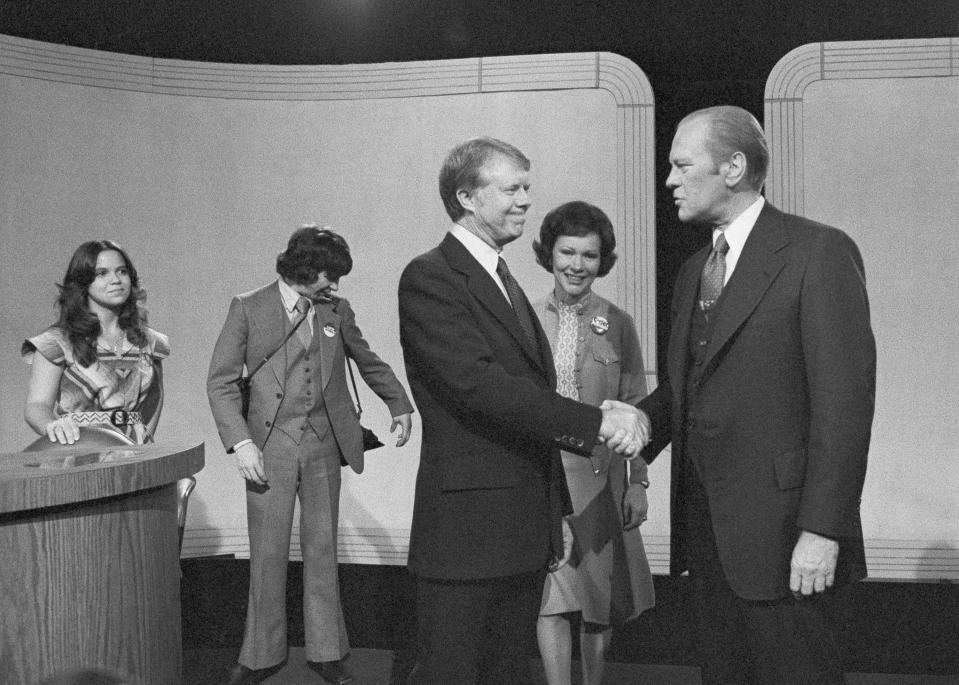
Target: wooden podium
{"x":89,"y":562}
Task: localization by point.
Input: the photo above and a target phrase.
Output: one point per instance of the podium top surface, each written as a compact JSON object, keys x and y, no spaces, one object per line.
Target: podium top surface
{"x":33,"y":480}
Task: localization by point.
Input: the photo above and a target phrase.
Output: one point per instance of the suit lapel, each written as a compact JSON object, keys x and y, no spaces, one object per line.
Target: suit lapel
{"x":485,"y":290}
{"x":758,"y":266}
{"x":685,"y":300}
{"x":270,"y":318}
{"x":327,"y":319}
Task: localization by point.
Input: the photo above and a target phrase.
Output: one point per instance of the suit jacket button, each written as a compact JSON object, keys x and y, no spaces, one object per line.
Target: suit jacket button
{"x":279,"y":395}
{"x":267,"y":424}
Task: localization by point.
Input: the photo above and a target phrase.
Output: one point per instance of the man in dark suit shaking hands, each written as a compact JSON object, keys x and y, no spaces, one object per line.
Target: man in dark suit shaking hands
{"x":768,"y":401}
{"x":490,"y":491}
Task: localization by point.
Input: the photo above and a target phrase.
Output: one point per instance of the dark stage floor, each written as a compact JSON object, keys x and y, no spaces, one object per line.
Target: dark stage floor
{"x":897,"y":632}
{"x":376,"y":667}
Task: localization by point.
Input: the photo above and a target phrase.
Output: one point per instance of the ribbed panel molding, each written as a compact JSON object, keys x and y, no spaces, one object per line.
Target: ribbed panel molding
{"x":807,"y":64}
{"x":928,"y":560}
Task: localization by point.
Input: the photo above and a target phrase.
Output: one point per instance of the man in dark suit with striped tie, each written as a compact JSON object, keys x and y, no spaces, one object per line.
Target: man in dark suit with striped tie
{"x":490,"y":491}
{"x":768,"y":401}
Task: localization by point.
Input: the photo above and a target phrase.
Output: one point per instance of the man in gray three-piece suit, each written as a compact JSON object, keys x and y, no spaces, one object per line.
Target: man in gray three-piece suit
{"x":301,"y":426}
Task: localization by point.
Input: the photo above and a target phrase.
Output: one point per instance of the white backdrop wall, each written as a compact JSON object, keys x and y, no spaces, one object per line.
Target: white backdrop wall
{"x":202,"y":171}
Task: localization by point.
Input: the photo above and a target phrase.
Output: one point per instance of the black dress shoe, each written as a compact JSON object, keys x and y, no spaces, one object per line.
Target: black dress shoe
{"x":241,"y":675}
{"x":332,"y":671}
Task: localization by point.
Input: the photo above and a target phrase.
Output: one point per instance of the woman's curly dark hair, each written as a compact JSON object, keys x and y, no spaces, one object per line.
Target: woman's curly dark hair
{"x":80,"y":324}
{"x":577,"y":219}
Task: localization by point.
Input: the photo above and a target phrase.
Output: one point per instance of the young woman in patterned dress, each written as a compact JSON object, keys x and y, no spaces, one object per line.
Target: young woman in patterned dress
{"x":100,"y":364}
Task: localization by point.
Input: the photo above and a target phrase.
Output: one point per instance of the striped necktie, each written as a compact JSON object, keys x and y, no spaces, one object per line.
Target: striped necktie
{"x":303,"y":332}
{"x":518,"y":301}
{"x":714,"y":273}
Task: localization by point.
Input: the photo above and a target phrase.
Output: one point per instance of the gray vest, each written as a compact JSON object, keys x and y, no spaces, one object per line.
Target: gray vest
{"x":302,"y":406}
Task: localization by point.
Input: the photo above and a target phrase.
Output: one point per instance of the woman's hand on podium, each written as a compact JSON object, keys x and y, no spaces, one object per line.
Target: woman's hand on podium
{"x":63,"y":430}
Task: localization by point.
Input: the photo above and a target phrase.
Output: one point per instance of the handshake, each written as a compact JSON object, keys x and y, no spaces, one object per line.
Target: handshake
{"x":625,"y":429}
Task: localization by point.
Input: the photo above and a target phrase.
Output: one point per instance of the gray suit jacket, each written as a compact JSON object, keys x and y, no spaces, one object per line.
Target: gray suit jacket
{"x":254,"y":327}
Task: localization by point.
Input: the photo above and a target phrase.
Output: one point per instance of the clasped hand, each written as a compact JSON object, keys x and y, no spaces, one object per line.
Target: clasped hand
{"x":813,"y":565}
{"x":624,"y":429}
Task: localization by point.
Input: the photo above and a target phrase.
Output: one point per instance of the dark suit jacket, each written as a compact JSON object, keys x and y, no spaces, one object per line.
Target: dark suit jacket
{"x":492,"y":424}
{"x":786,"y":402}
{"x":254,"y":327}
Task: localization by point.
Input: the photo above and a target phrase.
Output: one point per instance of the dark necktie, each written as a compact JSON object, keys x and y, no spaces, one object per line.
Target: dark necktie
{"x":303,"y":332}
{"x":714,"y":273}
{"x":518,"y":301}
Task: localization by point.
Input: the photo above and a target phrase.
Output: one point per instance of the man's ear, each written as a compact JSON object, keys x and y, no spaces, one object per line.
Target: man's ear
{"x":734,"y":170}
{"x":465,"y":199}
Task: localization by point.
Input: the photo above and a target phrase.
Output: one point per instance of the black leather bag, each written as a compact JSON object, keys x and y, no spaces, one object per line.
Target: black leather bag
{"x":370,"y":441}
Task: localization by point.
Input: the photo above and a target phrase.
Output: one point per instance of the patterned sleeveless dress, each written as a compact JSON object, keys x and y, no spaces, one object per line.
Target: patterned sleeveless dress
{"x":124,"y":381}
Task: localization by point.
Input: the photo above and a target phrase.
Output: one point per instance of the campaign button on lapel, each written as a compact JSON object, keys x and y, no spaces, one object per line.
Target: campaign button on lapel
{"x":599,"y":324}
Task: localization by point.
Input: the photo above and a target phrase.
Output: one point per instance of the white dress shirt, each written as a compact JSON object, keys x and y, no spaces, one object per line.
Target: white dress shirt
{"x":736,"y":234}
{"x":487,"y":256}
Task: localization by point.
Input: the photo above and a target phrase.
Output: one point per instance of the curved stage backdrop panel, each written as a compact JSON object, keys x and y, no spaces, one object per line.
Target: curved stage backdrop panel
{"x":202,"y":171}
{"x":865,"y":136}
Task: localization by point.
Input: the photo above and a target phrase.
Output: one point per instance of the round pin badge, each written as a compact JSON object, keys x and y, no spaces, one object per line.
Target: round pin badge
{"x":599,"y":324}
{"x":329,"y":330}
